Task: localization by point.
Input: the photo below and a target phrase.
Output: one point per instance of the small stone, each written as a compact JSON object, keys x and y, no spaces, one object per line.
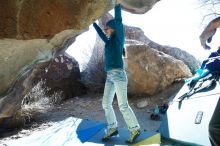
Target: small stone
{"x":69,"y":66}
{"x":62,"y":60}
{"x":142,"y":104}
{"x":56,"y":60}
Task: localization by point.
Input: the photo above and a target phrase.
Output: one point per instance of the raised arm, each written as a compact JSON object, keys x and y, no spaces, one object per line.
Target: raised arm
{"x":100,"y":32}
{"x":118,"y":16}
{"x":119,"y":28}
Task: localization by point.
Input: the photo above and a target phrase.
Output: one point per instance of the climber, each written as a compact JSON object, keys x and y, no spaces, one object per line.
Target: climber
{"x":116,"y":81}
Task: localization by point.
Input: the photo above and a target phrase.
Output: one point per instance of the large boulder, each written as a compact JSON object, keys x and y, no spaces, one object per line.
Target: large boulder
{"x":17,"y":57}
{"x":30,"y":19}
{"x":136,"y":34}
{"x":151,"y":71}
{"x":50,"y":82}
{"x":61,"y":74}
{"x":94,"y":75}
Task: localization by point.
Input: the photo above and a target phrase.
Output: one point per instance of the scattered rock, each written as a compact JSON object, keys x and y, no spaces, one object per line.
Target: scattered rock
{"x":142,"y":104}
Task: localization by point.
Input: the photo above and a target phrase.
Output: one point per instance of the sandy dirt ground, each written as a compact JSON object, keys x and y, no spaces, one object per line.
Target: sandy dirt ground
{"x":90,"y":107}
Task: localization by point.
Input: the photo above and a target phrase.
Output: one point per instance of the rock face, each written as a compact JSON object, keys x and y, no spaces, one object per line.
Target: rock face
{"x":134,"y":33}
{"x":150,"y":71}
{"x":138,"y":6}
{"x":179,"y":54}
{"x":17,"y":57}
{"x":60,"y":75}
{"x":29,"y":19}
{"x":94,"y":75}
{"x":26,"y":19}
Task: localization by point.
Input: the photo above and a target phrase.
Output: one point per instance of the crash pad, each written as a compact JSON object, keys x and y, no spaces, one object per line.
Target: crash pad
{"x":63,"y":133}
{"x":75,"y":131}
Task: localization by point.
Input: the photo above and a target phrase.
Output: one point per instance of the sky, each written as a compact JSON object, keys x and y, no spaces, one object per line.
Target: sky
{"x":177,"y":23}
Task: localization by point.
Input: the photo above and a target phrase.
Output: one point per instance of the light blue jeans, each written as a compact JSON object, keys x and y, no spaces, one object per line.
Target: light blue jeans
{"x":116,"y":82}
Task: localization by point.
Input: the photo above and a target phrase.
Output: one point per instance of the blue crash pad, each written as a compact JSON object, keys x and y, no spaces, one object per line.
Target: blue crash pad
{"x":121,"y":137}
{"x":77,"y":132}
